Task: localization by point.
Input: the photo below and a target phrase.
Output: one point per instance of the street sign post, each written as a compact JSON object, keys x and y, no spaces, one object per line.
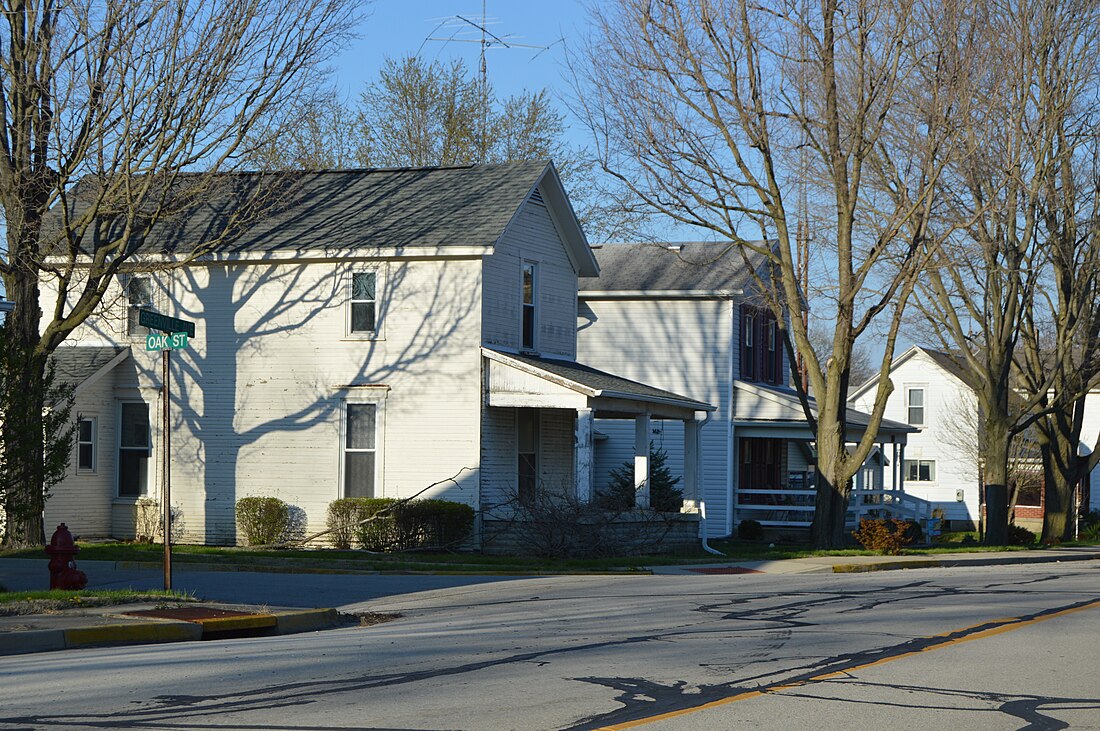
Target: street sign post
{"x":173,"y":336}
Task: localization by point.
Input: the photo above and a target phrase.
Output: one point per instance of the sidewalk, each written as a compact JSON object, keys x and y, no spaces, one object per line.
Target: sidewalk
{"x":861,"y":564}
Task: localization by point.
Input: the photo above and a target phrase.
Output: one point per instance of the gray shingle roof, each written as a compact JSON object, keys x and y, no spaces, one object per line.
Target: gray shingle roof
{"x":598,"y":380}
{"x":310,"y":211}
{"x":75,"y":364}
{"x":698,"y":266}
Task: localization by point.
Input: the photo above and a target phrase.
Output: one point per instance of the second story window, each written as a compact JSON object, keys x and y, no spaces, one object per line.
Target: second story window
{"x":748,"y":350}
{"x":915,"y":403}
{"x":139,"y":296}
{"x":530,"y":300}
{"x":363,"y":304}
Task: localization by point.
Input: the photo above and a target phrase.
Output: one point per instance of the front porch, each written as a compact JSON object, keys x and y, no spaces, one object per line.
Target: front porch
{"x":539,"y":434}
{"x":775,"y":480}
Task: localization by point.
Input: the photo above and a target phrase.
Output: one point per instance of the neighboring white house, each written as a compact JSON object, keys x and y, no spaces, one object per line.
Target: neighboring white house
{"x":931,"y":392}
{"x":940,"y":462}
{"x":376,"y":332}
{"x":682,"y":317}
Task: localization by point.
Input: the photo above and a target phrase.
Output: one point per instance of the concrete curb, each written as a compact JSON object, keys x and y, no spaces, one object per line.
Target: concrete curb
{"x":157,"y":631}
{"x":857,"y":568}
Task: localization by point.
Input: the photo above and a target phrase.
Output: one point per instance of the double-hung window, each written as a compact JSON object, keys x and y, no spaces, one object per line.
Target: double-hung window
{"x":914,"y":398}
{"x":920,"y":470}
{"x":85,"y":444}
{"x":363,"y":304}
{"x":360,"y":450}
{"x":748,"y":349}
{"x":134,"y":449}
{"x":139,"y":296}
{"x":530,"y":305}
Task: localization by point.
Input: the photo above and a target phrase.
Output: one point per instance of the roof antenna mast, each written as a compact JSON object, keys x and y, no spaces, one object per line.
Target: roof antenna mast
{"x":463,"y":26}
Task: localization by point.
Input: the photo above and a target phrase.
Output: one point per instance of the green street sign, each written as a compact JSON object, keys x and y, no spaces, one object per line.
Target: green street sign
{"x":165,"y":341}
{"x":164,"y":323}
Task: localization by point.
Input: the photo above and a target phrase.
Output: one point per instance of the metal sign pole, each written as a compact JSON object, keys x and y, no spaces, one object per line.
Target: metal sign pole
{"x":166,"y":493}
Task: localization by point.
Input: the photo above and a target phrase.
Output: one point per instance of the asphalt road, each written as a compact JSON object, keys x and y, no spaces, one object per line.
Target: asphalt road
{"x":989,"y":648}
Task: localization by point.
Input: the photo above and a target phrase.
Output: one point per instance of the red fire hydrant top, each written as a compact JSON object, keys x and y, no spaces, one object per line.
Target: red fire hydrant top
{"x":63,"y":571}
{"x":62,"y":542}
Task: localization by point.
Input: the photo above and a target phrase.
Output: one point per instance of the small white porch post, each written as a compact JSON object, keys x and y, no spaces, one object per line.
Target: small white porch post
{"x":585,"y":458}
{"x":641,"y":460}
{"x":691,"y":465}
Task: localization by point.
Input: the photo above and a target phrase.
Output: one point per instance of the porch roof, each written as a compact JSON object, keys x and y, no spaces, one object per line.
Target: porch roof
{"x":759,"y":408}
{"x":79,"y":366}
{"x":521,"y":381}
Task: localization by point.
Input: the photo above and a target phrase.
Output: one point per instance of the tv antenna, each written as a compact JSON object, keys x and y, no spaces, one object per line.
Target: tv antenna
{"x":466,"y":30}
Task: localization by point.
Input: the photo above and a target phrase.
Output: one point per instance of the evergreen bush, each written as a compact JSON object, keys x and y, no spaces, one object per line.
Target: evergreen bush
{"x":663,"y":495}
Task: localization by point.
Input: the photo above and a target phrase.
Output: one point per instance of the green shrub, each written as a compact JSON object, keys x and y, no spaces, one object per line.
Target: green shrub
{"x":663,"y":495}
{"x":885,"y":536}
{"x":413,"y":524}
{"x":263,"y":520}
{"x":750,"y":530}
{"x":343,"y":518}
{"x":1020,"y":536}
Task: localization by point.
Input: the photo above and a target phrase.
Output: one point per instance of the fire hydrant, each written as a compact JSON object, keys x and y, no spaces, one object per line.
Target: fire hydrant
{"x":62,"y":551}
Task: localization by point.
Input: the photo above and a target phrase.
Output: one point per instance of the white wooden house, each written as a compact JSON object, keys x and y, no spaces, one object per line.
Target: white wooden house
{"x":932,"y":393}
{"x":683,"y":317}
{"x":373,"y":333}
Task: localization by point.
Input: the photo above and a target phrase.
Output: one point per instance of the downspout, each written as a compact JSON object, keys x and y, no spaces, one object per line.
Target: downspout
{"x":698,"y":487}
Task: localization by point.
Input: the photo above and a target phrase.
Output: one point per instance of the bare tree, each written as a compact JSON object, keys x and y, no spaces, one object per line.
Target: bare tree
{"x":980,"y":291}
{"x":700,"y":109}
{"x":1061,"y":333}
{"x":125,"y":96}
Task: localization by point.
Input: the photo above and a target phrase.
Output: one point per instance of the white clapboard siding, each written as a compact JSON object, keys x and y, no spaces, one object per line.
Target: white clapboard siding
{"x":679,"y":345}
{"x":83,"y":499}
{"x":532,"y":237}
{"x":258,"y":397}
{"x":950,"y":408}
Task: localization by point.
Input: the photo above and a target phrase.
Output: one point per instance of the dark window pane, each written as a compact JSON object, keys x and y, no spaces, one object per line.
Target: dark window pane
{"x":360,"y":428}
{"x":528,"y":475}
{"x":362,"y":317}
{"x":135,"y":425}
{"x":84,"y":458}
{"x":528,"y":326}
{"x":85,"y":430}
{"x":527,"y":431}
{"x":133,"y":472}
{"x":359,"y":474}
{"x":362,"y":286}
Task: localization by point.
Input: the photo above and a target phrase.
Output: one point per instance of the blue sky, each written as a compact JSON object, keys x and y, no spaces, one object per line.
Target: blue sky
{"x":396,"y":28}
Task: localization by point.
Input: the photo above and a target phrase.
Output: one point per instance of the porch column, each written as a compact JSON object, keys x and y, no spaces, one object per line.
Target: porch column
{"x":585,"y":457}
{"x":901,"y":468}
{"x":641,"y":460}
{"x":691,"y":465}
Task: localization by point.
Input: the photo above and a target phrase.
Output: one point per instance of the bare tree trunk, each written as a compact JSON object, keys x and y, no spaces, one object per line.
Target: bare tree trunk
{"x":996,"y":481}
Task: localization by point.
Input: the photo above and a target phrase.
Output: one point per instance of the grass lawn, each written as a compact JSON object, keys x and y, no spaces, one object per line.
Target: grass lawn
{"x":335,"y":560}
{"x":37,"y":602}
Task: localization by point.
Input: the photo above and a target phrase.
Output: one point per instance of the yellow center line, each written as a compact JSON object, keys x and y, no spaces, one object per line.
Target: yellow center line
{"x":1001,"y":626}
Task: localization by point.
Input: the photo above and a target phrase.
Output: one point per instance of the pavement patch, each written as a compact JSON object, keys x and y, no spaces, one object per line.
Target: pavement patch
{"x":726,"y":570}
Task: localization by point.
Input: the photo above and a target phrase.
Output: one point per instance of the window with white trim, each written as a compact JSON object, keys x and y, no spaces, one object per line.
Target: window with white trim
{"x":134,"y":449}
{"x":914,"y":400}
{"x":363,"y":303}
{"x":86,"y":444}
{"x":139,"y":296}
{"x":920,"y":470}
{"x":530,"y":305}
{"x":360,"y":450}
